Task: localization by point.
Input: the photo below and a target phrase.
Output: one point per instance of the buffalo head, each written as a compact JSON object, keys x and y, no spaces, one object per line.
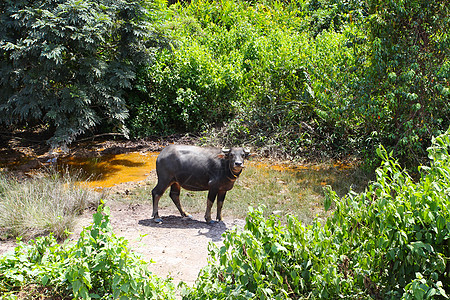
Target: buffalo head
{"x":235,"y":157}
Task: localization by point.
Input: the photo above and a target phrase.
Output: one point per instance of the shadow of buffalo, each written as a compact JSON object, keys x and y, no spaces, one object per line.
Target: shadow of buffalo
{"x":211,"y":231}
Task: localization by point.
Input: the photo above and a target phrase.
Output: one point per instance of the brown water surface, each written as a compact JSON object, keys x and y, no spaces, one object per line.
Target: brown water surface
{"x":109,"y":170}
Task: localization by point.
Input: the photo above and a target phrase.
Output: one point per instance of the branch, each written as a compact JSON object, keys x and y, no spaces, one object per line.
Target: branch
{"x":100,"y":135}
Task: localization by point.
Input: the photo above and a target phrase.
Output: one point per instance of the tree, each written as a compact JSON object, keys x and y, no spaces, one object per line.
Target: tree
{"x":404,"y":97}
{"x":67,"y":63}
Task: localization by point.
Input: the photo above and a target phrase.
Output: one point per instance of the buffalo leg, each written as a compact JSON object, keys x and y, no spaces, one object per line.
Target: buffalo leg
{"x":157,"y":192}
{"x":175,"y":195}
{"x":211,"y":197}
{"x":220,"y":199}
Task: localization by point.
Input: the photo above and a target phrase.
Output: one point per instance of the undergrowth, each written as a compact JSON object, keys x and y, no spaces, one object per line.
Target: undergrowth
{"x":389,"y":242}
{"x":98,"y":266}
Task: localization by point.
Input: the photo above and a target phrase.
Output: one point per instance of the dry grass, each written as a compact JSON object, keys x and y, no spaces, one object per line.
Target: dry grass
{"x":284,"y":191}
{"x":46,"y":203}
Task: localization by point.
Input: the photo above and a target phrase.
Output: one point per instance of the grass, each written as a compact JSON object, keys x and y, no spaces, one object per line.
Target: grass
{"x":45,"y":203}
{"x":284,"y":190}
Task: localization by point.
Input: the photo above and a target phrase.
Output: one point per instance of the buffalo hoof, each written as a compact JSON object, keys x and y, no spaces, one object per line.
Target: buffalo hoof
{"x":157,"y":220}
{"x":189,"y":216}
{"x":211,"y":222}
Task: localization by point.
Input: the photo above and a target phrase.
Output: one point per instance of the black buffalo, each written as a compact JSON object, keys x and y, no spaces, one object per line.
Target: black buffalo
{"x":197,"y":169}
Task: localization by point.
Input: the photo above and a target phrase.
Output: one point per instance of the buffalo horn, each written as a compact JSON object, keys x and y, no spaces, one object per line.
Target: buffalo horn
{"x":226,"y":150}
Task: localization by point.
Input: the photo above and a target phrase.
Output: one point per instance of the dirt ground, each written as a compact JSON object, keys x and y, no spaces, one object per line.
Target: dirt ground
{"x":178,"y":246}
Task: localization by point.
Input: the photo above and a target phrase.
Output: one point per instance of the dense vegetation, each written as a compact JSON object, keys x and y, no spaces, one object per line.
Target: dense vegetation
{"x":304,"y":77}
{"x":99,"y":265}
{"x":390,"y":242}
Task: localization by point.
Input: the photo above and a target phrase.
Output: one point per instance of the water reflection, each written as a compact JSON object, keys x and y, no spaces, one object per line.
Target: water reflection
{"x":109,"y":170}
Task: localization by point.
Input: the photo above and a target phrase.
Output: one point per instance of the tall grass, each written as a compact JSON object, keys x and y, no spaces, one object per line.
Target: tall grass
{"x":46,"y":203}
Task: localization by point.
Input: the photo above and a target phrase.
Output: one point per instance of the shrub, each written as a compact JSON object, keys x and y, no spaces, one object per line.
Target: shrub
{"x":322,"y":77}
{"x":256,"y":68}
{"x":402,"y":99}
{"x":188,"y":86}
{"x":99,"y":265}
{"x":388,"y":242}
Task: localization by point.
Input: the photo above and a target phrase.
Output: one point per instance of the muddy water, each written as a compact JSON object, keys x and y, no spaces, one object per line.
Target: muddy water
{"x":109,"y":170}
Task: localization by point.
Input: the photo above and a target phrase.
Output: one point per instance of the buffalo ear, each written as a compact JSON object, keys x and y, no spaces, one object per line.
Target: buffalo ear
{"x":247,"y":152}
{"x":225,"y":153}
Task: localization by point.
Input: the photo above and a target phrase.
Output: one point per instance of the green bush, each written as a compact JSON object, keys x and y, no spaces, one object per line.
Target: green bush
{"x":296,"y":92}
{"x":99,"y":265}
{"x":389,"y":242}
{"x":254,"y":67}
{"x":189,"y":89}
{"x":189,"y":86}
{"x":307,"y":78}
{"x":403,"y":97}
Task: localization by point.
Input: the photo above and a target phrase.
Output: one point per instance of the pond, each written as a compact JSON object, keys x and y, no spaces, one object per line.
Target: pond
{"x":112,"y":169}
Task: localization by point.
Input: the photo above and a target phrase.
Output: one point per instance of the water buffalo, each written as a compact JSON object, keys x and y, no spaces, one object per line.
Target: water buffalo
{"x":197,"y":169}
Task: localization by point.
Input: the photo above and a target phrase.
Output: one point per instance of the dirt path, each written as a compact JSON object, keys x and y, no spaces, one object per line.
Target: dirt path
{"x":178,"y":246}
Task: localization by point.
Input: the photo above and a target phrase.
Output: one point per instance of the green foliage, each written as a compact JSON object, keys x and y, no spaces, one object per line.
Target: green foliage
{"x":403,"y":99}
{"x":98,"y":266}
{"x":297,"y":101}
{"x":267,"y":260}
{"x":189,"y":86}
{"x":67,"y":63}
{"x":187,"y":89}
{"x":388,"y":242}
{"x":303,"y":77}
{"x":334,"y":14}
{"x":257,"y":64}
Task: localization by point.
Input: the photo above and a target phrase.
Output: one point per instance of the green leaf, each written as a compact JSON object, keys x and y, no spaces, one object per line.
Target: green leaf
{"x":125,"y":287}
{"x":45,"y":279}
{"x":76,"y":285}
{"x":276,"y":247}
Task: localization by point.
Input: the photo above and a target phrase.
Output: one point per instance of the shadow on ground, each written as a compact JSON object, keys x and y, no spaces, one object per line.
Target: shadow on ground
{"x":211,"y":231}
